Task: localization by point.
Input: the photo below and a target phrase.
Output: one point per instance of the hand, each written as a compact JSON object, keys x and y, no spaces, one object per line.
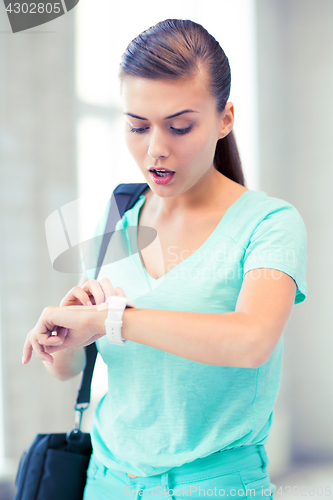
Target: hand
{"x":92,"y":292}
{"x":64,"y":327}
{"x":75,"y":327}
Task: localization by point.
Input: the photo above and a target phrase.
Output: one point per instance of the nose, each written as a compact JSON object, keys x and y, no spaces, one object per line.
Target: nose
{"x":158,"y":145}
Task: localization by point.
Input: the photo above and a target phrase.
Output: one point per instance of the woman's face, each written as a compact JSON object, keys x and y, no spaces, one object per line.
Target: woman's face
{"x":173,"y":125}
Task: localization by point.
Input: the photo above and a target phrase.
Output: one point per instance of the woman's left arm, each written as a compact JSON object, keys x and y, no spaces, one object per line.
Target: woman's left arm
{"x":244,"y":338}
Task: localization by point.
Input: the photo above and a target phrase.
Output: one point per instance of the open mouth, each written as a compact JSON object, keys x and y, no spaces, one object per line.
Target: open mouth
{"x":162,"y":176}
{"x":162,"y":172}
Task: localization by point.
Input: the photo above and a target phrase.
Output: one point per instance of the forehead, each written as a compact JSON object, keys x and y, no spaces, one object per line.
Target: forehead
{"x":144,"y":96}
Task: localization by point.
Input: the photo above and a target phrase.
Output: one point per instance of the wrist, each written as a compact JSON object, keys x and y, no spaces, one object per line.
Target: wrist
{"x":127,"y":318}
{"x":99,"y":319}
{"x":114,"y":321}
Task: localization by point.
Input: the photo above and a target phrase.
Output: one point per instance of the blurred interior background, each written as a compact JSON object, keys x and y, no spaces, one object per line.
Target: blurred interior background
{"x":61,"y":140}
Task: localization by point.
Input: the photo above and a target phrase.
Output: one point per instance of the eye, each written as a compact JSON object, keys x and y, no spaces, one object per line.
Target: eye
{"x":138,"y":130}
{"x":181,"y":131}
{"x":178,"y":131}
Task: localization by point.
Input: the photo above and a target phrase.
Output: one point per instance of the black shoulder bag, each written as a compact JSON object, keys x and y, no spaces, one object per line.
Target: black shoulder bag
{"x":54,"y":466}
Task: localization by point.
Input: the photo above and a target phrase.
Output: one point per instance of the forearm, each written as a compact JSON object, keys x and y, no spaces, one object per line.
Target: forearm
{"x":67,"y":363}
{"x":216,"y":339}
{"x":227,"y":339}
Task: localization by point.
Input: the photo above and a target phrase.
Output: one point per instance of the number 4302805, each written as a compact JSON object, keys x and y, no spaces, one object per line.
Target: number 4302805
{"x":34,"y":8}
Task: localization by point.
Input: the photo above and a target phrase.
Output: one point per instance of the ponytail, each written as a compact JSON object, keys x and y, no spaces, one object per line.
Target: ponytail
{"x":227,"y":160}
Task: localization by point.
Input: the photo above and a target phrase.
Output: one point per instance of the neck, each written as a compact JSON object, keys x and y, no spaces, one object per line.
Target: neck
{"x":202,"y":195}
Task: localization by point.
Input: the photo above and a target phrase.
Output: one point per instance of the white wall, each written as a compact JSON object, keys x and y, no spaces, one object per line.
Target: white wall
{"x":295,"y":47}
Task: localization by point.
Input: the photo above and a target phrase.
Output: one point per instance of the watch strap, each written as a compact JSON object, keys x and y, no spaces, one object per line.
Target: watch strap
{"x":116,"y":305}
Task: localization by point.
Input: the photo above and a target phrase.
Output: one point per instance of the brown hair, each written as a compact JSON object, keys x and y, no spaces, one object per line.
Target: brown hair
{"x":174,"y":49}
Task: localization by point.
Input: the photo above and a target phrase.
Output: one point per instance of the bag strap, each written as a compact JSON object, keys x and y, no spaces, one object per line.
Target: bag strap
{"x":123,"y":198}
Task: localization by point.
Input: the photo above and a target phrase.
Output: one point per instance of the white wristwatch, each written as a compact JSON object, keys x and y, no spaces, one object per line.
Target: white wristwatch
{"x":113,"y":323}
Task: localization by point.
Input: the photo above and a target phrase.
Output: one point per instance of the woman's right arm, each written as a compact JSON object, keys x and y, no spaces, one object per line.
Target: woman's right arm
{"x":68,"y":362}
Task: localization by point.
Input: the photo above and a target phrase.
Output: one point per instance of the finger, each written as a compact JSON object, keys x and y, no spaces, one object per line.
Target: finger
{"x":44,"y":340}
{"x":62,"y":332}
{"x":93,"y":288}
{"x":40,"y":353}
{"x":54,"y":337}
{"x":107,"y":287}
{"x":45,"y":336}
{"x":59,"y":338}
{"x":27,"y":351}
{"x":120,"y":291}
{"x":76,"y":296}
{"x":52,"y":349}
{"x":43,"y":329}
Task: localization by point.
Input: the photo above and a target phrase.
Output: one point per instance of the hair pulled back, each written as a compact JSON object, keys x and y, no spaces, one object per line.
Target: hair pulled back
{"x":174,"y":49}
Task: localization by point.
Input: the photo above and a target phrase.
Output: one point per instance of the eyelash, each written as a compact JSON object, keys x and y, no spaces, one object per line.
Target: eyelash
{"x":178,"y":131}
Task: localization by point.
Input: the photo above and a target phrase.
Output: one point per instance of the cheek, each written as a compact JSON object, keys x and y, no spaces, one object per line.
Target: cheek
{"x":197,"y":150}
{"x":134,"y":146}
{"x":129,"y":142}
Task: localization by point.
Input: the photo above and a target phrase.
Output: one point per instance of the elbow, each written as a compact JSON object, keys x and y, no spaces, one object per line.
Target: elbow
{"x":62,"y":375}
{"x":257,"y":362}
{"x":260,"y":351}
{"x":65,"y":376}
{"x":67,"y":365}
{"x":257,"y":358}
{"x":253,"y":347}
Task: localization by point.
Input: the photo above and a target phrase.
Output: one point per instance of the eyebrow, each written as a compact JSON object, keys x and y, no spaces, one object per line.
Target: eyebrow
{"x":167,"y":118}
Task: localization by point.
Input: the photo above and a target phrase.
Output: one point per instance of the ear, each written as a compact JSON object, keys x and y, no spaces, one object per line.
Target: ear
{"x":227,"y":120}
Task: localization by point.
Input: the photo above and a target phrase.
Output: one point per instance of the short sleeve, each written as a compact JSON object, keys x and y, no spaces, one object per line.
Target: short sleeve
{"x":279,"y":242}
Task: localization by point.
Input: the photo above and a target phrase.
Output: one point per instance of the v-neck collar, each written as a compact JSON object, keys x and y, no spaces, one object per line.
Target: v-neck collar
{"x":227,"y":214}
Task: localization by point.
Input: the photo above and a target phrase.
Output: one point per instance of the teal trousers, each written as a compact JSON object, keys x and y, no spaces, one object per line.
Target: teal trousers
{"x":237,"y":473}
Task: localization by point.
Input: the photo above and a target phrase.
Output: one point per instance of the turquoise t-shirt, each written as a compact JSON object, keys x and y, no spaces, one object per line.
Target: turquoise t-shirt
{"x":162,"y":410}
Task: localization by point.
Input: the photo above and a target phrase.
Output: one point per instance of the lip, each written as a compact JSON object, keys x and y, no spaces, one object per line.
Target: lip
{"x":165,"y":169}
{"x":162,"y":180}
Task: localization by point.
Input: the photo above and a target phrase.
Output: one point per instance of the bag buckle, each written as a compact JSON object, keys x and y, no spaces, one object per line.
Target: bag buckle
{"x":79,"y":409}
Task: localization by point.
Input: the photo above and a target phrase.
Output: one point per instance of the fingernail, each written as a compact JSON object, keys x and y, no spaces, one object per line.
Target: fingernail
{"x":23,"y":360}
{"x":89,"y":303}
{"x":47,"y":362}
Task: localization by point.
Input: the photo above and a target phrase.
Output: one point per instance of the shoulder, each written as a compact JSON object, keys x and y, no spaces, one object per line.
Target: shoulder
{"x":257,"y":211}
{"x":262,"y":204}
{"x":278,"y":213}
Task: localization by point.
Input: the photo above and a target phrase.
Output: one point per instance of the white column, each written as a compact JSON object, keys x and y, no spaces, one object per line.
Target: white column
{"x":37,"y":176}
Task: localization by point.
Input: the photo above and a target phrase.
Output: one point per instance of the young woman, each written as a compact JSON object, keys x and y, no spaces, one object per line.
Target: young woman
{"x":191,"y":395}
